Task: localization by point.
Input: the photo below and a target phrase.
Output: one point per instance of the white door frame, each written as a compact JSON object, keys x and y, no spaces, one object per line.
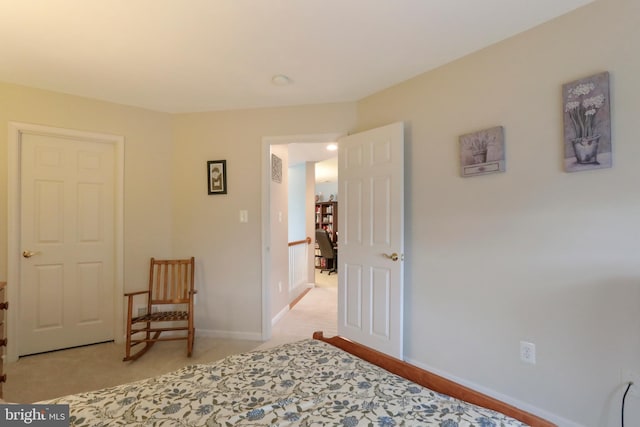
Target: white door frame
{"x":267,"y":141}
{"x":16,"y":130}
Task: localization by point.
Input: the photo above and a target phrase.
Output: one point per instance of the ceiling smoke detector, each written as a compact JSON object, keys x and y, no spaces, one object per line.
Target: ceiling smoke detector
{"x":280,"y":80}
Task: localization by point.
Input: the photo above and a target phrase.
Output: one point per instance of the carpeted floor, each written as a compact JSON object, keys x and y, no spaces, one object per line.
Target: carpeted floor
{"x":317,"y":311}
{"x":59,"y":373}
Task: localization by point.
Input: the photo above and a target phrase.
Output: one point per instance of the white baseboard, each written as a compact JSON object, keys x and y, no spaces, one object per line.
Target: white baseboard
{"x":232,"y":335}
{"x":297,"y":291}
{"x":560,"y":421}
{"x":280,"y":315}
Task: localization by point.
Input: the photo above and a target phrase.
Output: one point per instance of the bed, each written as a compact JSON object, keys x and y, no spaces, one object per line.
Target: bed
{"x":314,"y":382}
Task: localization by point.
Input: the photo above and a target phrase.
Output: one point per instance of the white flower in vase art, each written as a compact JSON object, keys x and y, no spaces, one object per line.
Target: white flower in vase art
{"x":587,"y":123}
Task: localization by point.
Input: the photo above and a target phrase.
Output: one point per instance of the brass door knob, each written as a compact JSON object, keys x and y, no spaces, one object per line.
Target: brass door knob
{"x":393,"y":257}
{"x":29,"y":254}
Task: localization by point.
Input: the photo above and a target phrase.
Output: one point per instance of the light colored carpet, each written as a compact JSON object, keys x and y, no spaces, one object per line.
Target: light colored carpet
{"x":49,"y":375}
{"x":317,"y":311}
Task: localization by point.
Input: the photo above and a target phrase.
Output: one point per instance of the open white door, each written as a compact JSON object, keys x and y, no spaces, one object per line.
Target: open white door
{"x":371,"y":239}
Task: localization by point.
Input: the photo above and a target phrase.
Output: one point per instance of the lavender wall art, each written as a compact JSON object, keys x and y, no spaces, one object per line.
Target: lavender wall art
{"x":482,"y":152}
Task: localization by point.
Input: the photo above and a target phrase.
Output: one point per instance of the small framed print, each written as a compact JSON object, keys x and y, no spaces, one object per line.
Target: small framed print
{"x":217,"y":176}
{"x":482,"y":152}
{"x":276,"y":169}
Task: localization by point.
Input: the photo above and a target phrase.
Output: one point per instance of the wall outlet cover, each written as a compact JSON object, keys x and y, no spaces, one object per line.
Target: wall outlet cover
{"x":528,"y":352}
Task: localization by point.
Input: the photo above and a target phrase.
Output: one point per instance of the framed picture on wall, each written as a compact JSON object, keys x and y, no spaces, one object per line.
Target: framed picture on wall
{"x":276,"y":169}
{"x":587,"y":123}
{"x":482,"y":152}
{"x":217,"y":176}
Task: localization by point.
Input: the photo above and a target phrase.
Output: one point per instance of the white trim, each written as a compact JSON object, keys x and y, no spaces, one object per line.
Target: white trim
{"x":266,"y":241}
{"x":280,"y":315}
{"x":267,"y":141}
{"x":16,"y":129}
{"x":561,"y":422}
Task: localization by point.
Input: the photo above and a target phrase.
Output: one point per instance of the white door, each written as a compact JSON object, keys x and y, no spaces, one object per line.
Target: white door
{"x":371,"y":238}
{"x":67,"y":270}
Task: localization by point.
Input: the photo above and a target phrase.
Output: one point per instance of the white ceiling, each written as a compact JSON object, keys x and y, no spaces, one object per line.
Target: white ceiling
{"x":327,"y":171}
{"x":300,"y":152}
{"x":205,"y":55}
{"x":326,"y":161}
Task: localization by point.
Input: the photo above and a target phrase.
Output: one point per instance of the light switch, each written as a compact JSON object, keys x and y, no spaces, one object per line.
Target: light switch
{"x":244,"y":216}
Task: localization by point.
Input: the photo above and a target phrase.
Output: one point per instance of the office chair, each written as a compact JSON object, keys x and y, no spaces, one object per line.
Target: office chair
{"x":327,"y":250}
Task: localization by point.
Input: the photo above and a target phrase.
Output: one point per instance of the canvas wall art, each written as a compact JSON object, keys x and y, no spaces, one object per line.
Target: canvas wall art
{"x":482,"y":152}
{"x":587,"y":123}
{"x":276,"y":169}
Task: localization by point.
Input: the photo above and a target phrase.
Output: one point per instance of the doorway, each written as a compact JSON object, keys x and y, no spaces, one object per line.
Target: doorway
{"x":267,"y":259}
{"x":370,"y":288}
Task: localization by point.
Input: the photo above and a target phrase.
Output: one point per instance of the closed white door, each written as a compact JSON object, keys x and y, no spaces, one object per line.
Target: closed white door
{"x":67,"y":238}
{"x":371,"y":238}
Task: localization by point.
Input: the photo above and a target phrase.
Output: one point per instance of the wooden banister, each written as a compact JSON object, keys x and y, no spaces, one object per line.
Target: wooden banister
{"x":301,"y":242}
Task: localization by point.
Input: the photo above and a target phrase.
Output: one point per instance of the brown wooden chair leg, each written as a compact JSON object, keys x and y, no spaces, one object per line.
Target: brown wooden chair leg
{"x":128,"y":342}
{"x":190,"y":341}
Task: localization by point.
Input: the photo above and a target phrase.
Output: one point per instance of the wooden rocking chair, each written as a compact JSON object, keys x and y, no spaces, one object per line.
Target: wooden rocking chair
{"x":170,"y":282}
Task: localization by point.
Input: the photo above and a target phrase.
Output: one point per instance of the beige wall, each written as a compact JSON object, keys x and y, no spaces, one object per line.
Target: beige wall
{"x":535,"y":253}
{"x":167,"y":209}
{"x":230,"y":253}
{"x":147,"y":193}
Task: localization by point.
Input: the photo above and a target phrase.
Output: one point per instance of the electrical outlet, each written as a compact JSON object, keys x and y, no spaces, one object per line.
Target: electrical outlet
{"x":629,"y":375}
{"x":528,"y":352}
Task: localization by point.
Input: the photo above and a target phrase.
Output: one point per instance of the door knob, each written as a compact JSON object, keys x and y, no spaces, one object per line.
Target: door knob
{"x":392,"y":257}
{"x":29,"y":254}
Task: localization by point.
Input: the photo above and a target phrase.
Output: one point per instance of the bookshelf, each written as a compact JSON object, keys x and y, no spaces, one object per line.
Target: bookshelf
{"x":326,"y":218}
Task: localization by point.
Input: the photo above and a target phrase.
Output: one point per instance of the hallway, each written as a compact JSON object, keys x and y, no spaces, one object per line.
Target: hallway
{"x":316,"y":311}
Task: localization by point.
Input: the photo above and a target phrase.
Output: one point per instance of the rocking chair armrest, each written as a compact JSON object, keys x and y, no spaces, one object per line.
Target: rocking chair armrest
{"x":130,"y":294}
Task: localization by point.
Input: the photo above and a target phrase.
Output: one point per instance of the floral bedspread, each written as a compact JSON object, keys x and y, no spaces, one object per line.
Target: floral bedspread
{"x":307,"y":383}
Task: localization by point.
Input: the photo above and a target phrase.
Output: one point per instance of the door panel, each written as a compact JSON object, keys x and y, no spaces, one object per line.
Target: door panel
{"x":380,"y":293}
{"x":353,"y":296}
{"x":381,"y":215}
{"x":90,"y":275}
{"x":68,"y":223}
{"x":50,"y":291}
{"x":90,"y":207}
{"x":350,"y":214}
{"x":371,"y":185}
